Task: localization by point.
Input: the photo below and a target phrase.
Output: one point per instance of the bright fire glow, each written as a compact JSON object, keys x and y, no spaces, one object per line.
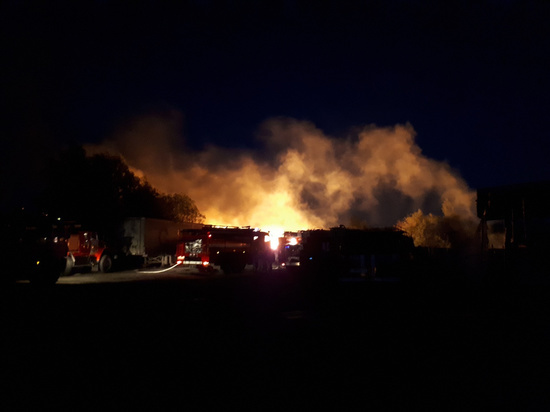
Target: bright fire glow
{"x":302,"y":179}
{"x":274,"y":234}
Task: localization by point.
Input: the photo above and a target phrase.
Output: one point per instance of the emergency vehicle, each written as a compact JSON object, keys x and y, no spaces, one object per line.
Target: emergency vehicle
{"x":230,"y":248}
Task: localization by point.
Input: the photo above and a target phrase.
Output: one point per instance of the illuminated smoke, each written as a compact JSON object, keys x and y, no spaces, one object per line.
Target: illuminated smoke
{"x":301,"y":179}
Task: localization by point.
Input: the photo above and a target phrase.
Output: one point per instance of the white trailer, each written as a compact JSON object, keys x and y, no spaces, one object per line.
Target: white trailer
{"x":154,"y":240}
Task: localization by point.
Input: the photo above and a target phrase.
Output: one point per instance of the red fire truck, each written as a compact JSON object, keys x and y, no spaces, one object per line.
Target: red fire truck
{"x":138,"y":242}
{"x":85,"y":249}
{"x":230,"y":248}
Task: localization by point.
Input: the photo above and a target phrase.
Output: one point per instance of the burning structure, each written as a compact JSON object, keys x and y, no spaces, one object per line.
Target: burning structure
{"x":296,"y":177}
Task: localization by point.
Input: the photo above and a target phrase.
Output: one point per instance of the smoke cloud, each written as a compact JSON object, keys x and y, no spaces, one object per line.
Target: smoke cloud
{"x":300,"y":178}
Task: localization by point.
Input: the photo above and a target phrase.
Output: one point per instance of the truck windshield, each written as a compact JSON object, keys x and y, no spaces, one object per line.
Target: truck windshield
{"x":193,"y":247}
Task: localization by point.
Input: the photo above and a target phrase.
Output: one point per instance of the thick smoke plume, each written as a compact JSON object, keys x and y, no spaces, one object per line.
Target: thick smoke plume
{"x":300,"y":179}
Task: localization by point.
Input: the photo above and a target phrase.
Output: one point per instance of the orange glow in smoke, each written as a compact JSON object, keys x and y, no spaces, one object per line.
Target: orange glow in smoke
{"x":303,"y":179}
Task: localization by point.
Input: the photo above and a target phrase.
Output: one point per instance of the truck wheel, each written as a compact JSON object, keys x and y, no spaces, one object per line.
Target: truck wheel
{"x":105,"y":263}
{"x":69,"y":265}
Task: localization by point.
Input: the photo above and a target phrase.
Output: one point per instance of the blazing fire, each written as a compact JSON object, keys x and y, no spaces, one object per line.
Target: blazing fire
{"x":301,"y":179}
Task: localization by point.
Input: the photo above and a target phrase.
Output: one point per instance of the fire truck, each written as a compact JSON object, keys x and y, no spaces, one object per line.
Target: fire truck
{"x":230,"y":248}
{"x":138,"y":242}
{"x":290,"y":247}
{"x":85,"y":249}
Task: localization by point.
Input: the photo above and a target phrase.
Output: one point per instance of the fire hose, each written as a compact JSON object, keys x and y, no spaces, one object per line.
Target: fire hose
{"x":159,"y":271}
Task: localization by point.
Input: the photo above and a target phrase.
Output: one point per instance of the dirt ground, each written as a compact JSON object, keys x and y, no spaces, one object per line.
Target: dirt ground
{"x":272,"y":341}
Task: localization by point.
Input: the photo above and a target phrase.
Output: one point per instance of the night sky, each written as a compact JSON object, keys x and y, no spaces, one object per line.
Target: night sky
{"x":472,"y":78}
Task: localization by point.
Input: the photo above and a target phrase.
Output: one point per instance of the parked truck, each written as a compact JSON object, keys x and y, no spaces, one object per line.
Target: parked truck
{"x":137,"y":242}
{"x":343,"y":253}
{"x":31,"y":249}
{"x":230,"y":248}
{"x":153,"y":241}
{"x":87,"y":250}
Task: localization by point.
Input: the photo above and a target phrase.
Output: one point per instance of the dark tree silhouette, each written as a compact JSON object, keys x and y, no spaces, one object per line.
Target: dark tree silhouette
{"x":99,"y":191}
{"x":181,"y":208}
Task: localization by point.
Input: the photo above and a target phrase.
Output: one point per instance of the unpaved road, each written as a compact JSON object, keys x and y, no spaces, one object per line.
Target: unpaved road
{"x":177,"y":339}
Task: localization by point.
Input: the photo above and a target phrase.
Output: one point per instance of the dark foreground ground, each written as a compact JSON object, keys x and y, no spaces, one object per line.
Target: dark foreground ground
{"x":273,"y":342}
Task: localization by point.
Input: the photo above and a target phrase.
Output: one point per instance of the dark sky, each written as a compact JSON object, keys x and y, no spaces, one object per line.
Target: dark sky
{"x":473,"y":78}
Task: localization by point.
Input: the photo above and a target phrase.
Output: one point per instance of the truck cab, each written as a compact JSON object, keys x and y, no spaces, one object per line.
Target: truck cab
{"x":86,"y":250}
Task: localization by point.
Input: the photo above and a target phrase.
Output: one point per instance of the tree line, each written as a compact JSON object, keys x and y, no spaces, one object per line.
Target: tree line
{"x":99,"y":191}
